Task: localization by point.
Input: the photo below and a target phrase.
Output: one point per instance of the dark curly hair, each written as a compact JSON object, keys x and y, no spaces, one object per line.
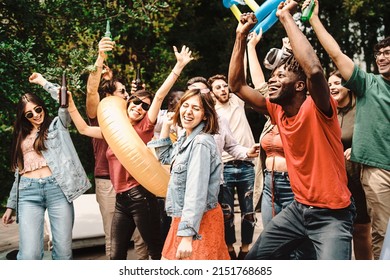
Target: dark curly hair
{"x":382,"y":44}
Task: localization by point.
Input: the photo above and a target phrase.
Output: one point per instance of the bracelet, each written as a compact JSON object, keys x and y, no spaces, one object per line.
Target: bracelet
{"x":175,"y":74}
{"x":97,"y":66}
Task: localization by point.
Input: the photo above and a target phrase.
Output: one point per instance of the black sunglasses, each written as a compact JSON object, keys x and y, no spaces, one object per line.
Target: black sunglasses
{"x":138,"y":101}
{"x":123,"y":91}
{"x":30,"y":114}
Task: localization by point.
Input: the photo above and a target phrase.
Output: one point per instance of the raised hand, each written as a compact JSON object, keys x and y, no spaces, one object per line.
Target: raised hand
{"x":246,"y":23}
{"x":289,"y":6}
{"x":105,"y":45}
{"x":316,"y":8}
{"x":184,"y":56}
{"x":254,"y":38}
{"x":37,"y":78}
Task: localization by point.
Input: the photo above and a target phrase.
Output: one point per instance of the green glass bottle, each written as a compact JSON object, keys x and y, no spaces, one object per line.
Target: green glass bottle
{"x":308,"y":11}
{"x":108,"y":32}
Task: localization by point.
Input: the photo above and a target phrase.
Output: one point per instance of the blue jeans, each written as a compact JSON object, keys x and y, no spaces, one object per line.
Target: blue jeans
{"x":240,"y":178}
{"x":272,"y":206}
{"x":35,"y":196}
{"x":329,"y":230}
{"x":282,"y":195}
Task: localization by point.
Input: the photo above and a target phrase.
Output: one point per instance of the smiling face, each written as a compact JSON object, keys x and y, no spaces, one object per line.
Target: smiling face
{"x":383,"y":62}
{"x":338,"y":92}
{"x":34,"y":114}
{"x":191,"y":113}
{"x":135,"y":111}
{"x":281,"y":86}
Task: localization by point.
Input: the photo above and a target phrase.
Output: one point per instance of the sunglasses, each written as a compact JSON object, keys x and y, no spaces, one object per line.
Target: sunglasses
{"x":138,"y":101}
{"x":123,"y":91}
{"x":218,"y":87}
{"x":30,"y":114}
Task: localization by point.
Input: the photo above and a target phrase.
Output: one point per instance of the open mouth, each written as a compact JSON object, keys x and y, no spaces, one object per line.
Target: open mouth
{"x":187,"y":119}
{"x":272,"y":90}
{"x":136,"y":112}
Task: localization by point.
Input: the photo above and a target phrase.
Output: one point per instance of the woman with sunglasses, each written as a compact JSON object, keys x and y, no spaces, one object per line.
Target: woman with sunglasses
{"x":48,"y":176}
{"x":197,"y":228}
{"x":100,"y":84}
{"x":135,"y":206}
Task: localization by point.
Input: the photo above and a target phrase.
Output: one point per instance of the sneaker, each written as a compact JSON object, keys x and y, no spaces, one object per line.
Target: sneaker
{"x":242,"y":255}
{"x":233,"y":255}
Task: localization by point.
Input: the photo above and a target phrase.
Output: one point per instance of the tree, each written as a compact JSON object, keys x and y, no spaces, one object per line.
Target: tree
{"x":50,"y":36}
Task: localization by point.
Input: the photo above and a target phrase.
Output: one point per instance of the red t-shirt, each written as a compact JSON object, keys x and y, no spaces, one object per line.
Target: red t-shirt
{"x":99,"y":150}
{"x":121,"y":179}
{"x":314,"y":155}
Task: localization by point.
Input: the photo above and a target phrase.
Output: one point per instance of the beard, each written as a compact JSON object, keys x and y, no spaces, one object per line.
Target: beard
{"x":285,"y":95}
{"x":222,"y":100}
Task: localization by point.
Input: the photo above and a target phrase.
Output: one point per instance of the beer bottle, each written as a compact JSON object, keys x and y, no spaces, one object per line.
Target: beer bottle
{"x":64,"y":98}
{"x":138,"y":81}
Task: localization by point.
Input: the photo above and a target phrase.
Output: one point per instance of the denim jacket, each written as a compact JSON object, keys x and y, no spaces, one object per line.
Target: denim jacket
{"x":61,"y":157}
{"x":193,"y":187}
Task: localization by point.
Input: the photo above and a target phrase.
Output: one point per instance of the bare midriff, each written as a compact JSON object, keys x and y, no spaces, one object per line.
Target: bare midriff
{"x":38,"y":173}
{"x":279,"y":164}
{"x":272,"y":145}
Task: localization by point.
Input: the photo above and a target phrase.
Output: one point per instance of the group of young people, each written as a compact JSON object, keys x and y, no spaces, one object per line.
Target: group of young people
{"x":317,"y":181}
{"x":300,"y":104}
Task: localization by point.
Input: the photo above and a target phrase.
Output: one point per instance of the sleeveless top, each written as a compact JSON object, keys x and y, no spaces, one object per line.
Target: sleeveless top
{"x":272,"y":143}
{"x":31,"y":159}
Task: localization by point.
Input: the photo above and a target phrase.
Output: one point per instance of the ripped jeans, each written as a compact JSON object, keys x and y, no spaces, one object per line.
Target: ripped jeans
{"x":238,"y":178}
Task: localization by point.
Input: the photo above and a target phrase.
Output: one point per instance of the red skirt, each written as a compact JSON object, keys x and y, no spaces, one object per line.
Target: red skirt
{"x":212,"y":246}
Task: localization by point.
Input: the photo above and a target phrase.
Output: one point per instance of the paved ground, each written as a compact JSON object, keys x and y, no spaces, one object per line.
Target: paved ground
{"x":9,"y":239}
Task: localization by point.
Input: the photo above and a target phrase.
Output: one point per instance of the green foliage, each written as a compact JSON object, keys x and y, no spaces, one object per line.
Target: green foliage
{"x":15,"y":58}
{"x":52,"y":36}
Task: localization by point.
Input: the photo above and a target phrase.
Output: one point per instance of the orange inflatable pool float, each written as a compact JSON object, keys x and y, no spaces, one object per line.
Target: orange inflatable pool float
{"x":128,"y":147}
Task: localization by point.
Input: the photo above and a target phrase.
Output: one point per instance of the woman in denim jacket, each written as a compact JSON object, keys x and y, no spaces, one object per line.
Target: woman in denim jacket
{"x":48,"y":176}
{"x":192,"y":198}
{"x":135,"y":205}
